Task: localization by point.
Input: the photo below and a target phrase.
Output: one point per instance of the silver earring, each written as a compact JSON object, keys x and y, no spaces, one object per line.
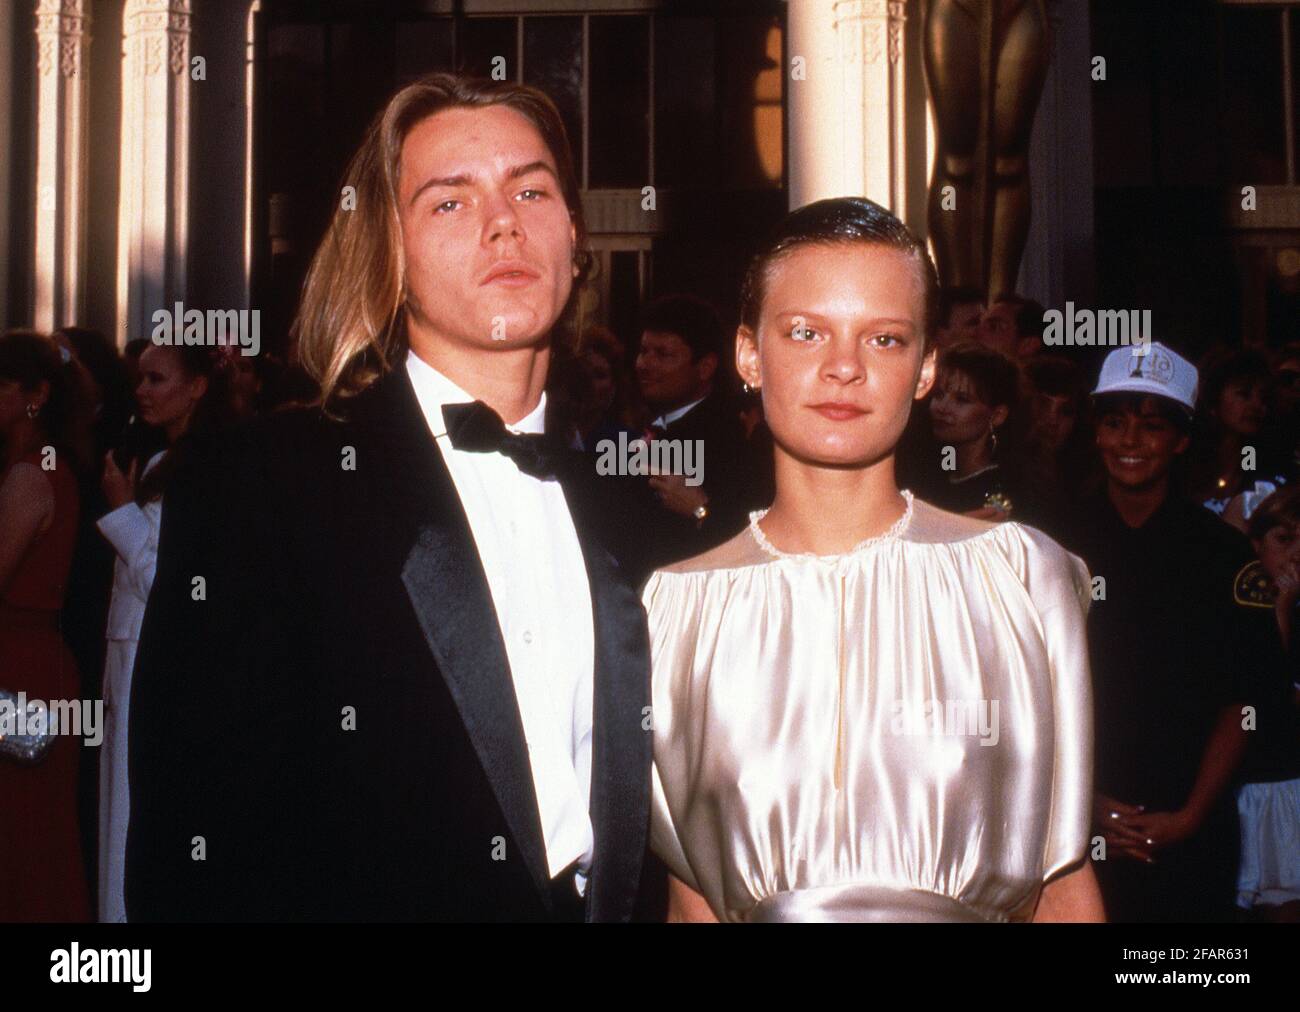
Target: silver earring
{"x":749,"y":389}
{"x":33,"y":410}
{"x":993,"y":441}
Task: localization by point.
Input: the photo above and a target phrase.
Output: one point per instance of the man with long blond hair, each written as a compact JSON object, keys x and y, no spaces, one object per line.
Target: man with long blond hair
{"x":386,"y":674}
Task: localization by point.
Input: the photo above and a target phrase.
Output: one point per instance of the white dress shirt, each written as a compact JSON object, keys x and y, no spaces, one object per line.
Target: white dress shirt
{"x":538,"y":580}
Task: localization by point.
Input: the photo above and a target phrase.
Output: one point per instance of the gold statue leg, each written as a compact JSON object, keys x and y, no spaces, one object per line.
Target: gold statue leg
{"x":1021,"y":70}
{"x":985,"y":64}
{"x":952,"y":68}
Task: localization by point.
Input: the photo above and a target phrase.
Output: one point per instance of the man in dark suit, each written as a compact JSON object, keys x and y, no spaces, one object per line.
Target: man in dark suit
{"x":678,"y":369}
{"x":388,"y":671}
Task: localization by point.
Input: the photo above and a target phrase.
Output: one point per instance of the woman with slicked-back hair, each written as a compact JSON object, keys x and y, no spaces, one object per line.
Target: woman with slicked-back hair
{"x":866,"y":708}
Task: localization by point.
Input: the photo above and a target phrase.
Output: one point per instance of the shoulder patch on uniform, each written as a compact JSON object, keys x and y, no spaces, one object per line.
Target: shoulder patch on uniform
{"x":1252,"y":586}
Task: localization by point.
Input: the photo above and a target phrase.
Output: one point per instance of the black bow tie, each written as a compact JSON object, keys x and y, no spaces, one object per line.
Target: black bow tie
{"x":478,"y":429}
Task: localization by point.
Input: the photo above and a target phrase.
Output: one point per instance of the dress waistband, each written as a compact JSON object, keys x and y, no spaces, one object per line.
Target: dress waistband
{"x":866,"y":903}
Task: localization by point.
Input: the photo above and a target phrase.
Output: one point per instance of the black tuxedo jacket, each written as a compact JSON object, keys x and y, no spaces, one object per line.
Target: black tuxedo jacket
{"x":323,"y":721}
{"x":737,"y":478}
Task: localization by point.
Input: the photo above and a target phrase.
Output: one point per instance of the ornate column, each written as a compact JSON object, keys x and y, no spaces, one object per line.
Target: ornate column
{"x":62,"y":38}
{"x":153,"y":209}
{"x":847,"y":104}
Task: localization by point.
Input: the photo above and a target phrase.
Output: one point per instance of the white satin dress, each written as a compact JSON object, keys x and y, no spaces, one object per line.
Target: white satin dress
{"x":899,"y":733}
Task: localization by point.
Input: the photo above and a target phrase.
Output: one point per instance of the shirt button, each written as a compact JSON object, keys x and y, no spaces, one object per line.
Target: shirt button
{"x":528,"y":636}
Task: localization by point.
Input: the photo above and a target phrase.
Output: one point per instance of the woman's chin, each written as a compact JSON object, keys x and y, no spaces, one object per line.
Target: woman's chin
{"x":837,"y":454}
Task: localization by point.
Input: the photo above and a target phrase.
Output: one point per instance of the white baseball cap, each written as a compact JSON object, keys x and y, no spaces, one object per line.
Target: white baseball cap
{"x":1150,"y":368}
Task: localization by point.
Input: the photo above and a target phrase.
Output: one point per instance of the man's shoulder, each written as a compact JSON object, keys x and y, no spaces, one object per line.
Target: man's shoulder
{"x":279,"y":435}
{"x":716,"y":414}
{"x":283,"y":450}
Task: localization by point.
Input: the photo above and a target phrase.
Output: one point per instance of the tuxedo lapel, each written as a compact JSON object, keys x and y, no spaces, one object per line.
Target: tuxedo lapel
{"x":449,"y":593}
{"x":448,"y":590}
{"x":621,"y":740}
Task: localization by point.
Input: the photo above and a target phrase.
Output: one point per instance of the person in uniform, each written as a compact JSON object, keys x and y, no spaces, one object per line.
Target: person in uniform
{"x":1168,"y":645}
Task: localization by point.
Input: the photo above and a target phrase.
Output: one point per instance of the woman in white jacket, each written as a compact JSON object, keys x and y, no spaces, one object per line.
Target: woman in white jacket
{"x":178,"y":388}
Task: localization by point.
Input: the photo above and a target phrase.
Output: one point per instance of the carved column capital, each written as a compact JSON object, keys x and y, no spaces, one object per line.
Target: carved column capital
{"x":62,"y":36}
{"x":864,"y":26}
{"x":157,"y":34}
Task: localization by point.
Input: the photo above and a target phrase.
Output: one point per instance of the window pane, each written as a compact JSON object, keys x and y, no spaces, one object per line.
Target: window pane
{"x":482,"y":40}
{"x":686,"y":128}
{"x":619,"y":101}
{"x":1253,"y":139}
{"x":1186,"y":150}
{"x":423,"y":47}
{"x":360,"y":80}
{"x":1295,"y":82}
{"x":294,"y":102}
{"x":750,"y":102}
{"x":624,"y":310}
{"x":553,"y":62}
{"x":718,"y":88}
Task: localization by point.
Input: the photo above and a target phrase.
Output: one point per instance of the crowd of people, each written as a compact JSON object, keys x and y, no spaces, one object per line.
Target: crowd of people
{"x":1172,"y":483}
{"x":91,"y":436}
{"x":1198,"y":557}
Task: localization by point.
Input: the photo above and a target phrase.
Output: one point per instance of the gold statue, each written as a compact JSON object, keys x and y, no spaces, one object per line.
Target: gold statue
{"x":985,"y":63}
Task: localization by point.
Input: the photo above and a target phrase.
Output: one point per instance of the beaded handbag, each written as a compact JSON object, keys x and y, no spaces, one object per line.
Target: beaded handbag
{"x":30,"y":746}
